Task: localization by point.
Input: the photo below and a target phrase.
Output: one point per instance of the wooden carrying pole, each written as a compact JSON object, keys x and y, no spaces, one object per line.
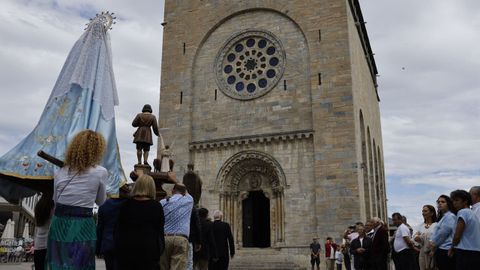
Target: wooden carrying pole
{"x":51,"y":159}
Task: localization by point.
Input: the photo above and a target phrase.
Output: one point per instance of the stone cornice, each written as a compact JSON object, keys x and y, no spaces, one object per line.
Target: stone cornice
{"x":250,"y":139}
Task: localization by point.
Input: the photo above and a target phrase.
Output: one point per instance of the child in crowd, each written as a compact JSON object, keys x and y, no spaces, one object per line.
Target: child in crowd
{"x":43,"y":215}
{"x":339,"y":257}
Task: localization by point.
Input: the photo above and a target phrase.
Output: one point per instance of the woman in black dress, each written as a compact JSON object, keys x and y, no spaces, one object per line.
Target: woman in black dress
{"x":139,"y":235}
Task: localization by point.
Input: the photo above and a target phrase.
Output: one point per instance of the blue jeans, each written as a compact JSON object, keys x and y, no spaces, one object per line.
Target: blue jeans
{"x":190,"y":257}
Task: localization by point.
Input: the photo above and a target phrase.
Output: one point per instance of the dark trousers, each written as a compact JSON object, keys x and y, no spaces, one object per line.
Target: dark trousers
{"x":467,"y":259}
{"x":347,"y":261}
{"x":314,"y":261}
{"x":339,"y":266}
{"x":39,"y":258}
{"x":379,"y":262}
{"x":442,"y":261}
{"x":110,"y":261}
{"x":404,"y":260}
{"x":221,"y":264}
{"x":131,"y":264}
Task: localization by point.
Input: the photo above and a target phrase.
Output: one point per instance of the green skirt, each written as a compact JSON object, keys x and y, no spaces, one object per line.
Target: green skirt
{"x":71,"y":242}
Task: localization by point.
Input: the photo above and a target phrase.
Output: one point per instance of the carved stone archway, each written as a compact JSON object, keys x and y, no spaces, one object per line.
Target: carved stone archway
{"x":252,"y":171}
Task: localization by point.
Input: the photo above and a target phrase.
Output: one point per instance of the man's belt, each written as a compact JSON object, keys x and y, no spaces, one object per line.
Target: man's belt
{"x":177,"y":234}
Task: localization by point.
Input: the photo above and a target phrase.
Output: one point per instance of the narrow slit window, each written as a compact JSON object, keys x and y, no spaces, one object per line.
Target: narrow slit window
{"x":285,"y":85}
{"x":184,"y":48}
{"x":319,"y":35}
{"x":319,"y":78}
{"x":181,"y":97}
{"x":215,"y":94}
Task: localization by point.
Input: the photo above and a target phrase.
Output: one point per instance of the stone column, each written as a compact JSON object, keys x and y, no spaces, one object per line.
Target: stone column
{"x":279,"y":215}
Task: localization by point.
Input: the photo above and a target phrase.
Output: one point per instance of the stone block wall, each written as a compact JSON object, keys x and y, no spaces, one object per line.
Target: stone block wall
{"x":327,"y":83}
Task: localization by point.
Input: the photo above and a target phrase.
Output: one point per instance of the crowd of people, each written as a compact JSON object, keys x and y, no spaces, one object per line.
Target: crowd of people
{"x":136,"y":231}
{"x":133,"y":231}
{"x":447,"y":239}
{"x":16,"y":250}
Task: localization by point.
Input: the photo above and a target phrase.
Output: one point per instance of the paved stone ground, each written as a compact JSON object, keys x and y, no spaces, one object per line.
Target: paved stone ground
{"x":28,"y":266}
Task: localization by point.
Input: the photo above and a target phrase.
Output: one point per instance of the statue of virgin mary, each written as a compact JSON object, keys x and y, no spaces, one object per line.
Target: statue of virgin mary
{"x":83,"y":97}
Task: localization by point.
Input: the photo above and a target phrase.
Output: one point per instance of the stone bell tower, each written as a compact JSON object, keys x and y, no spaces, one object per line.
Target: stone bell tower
{"x":276,"y":105}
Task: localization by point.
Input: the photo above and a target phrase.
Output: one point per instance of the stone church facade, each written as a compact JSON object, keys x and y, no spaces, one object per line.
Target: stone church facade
{"x":276,"y":105}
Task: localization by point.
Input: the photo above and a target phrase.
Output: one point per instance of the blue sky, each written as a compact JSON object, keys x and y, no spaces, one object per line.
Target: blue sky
{"x":426,"y":53}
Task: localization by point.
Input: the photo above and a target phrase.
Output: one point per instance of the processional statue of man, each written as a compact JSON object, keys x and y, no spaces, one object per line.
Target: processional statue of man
{"x":146,"y":122}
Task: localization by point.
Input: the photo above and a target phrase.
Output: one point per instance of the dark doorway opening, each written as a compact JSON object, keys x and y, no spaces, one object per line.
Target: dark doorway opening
{"x":256,"y":220}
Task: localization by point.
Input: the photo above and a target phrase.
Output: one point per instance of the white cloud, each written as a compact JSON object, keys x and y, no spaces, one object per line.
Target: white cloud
{"x":428,"y":62}
{"x":35,"y":45}
{"x":430,"y":109}
{"x":447,"y":180}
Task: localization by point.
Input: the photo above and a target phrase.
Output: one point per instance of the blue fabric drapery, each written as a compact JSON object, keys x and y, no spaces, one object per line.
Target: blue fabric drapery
{"x":83,"y":97}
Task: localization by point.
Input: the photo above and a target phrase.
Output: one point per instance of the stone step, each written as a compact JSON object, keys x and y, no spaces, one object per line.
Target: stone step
{"x":245,"y":252}
{"x":262,"y":260}
{"x":266,"y":267}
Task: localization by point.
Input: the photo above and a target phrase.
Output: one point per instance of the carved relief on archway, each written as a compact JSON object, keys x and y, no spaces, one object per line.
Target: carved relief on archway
{"x":252,"y":171}
{"x":244,"y":162}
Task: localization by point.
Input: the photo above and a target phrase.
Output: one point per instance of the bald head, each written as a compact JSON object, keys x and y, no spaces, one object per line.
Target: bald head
{"x":217,"y":215}
{"x":179,"y":189}
{"x":475,"y":194}
{"x":376,"y":221}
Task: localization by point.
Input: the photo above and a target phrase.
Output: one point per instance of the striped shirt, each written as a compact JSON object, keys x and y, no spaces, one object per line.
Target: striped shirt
{"x":177,"y":210}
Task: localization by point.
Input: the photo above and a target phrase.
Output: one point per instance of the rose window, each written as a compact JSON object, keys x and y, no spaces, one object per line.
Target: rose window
{"x":250,"y":64}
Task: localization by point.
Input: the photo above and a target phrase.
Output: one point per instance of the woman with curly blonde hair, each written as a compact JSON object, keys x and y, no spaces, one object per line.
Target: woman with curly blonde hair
{"x":77,"y":186}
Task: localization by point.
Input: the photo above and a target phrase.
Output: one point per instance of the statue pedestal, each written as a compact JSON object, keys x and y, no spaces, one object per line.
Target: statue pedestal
{"x":160,"y":178}
{"x":140,"y":169}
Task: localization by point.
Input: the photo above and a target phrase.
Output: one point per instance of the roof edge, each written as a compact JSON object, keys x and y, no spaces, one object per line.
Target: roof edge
{"x":362,"y":32}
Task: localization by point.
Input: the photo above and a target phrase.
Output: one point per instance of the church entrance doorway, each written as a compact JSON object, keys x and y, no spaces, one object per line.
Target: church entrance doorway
{"x":256,"y":220}
{"x":250,"y":185}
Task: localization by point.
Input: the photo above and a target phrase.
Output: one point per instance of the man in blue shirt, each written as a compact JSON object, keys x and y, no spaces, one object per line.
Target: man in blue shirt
{"x":177,"y":210}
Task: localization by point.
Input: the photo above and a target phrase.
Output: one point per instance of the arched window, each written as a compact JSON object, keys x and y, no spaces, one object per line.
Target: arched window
{"x":371,"y":179}
{"x":376,"y":181}
{"x":364,"y":167}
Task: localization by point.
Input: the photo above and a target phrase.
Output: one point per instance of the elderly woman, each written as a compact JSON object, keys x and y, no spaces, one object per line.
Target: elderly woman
{"x":139,"y":238}
{"x":77,"y":186}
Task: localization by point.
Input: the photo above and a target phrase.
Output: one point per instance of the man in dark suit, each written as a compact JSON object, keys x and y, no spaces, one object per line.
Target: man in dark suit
{"x":208,"y":248}
{"x":223,"y":241}
{"x":380,"y":246}
{"x":361,"y":248}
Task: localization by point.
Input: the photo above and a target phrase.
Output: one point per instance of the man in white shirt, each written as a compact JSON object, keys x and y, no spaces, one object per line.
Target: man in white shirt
{"x":403,"y":256}
{"x":475,"y":194}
